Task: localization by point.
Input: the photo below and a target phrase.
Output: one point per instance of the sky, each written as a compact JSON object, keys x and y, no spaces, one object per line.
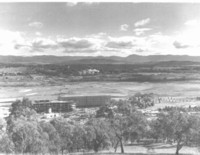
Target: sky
{"x":99,"y":29}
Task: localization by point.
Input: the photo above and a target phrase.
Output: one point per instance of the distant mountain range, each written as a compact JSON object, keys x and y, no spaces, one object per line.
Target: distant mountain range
{"x":132,"y":59}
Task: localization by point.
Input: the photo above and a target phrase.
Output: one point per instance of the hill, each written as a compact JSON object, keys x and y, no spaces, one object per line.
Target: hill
{"x":132,"y":59}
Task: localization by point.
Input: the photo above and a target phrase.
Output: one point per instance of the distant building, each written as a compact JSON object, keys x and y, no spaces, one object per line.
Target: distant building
{"x":46,"y":106}
{"x":89,"y":72}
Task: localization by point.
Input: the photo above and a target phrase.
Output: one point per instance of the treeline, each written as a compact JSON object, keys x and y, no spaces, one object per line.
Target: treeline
{"x":114,"y":125}
{"x":115,"y":69}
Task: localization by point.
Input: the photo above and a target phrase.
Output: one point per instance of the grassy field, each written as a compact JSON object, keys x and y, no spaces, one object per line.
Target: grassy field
{"x":158,"y":149}
{"x":130,"y":154}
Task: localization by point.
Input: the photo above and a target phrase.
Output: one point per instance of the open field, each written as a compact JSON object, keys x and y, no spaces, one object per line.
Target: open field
{"x":176,"y":89}
{"x":169,"y":89}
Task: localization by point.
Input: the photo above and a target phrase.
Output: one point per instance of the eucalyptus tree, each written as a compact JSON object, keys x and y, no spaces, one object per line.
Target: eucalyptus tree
{"x":125,"y":121}
{"x":98,"y":134}
{"x":65,"y":130}
{"x":177,"y":126}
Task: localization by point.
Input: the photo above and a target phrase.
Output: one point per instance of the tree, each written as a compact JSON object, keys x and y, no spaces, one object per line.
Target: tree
{"x":177,"y":126}
{"x":79,"y":137}
{"x":53,"y":138}
{"x":124,"y":120}
{"x":142,"y":100}
{"x":129,"y":127}
{"x":65,"y":130}
{"x":155,"y":131}
{"x":28,"y":137}
{"x":116,"y":113}
{"x":24,"y":129}
{"x":137,"y":126}
{"x":121,"y":107}
{"x":23,"y":108}
{"x":98,"y":133}
{"x":6,"y":144}
{"x":105,"y":111}
{"x":118,"y":125}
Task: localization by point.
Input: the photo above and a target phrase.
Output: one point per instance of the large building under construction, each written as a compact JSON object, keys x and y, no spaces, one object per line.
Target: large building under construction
{"x":68,"y":103}
{"x":46,"y":106}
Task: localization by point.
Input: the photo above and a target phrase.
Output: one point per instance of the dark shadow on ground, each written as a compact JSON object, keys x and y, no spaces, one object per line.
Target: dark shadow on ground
{"x":154,"y":145}
{"x":126,"y":154}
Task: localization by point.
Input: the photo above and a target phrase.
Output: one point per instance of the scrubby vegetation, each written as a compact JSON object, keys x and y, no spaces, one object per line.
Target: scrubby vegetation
{"x":150,"y":72}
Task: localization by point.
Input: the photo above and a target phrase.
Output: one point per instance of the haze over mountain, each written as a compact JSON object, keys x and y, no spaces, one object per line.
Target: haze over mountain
{"x":132,"y":59}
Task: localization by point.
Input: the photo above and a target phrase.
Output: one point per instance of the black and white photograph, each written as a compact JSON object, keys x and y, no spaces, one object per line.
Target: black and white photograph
{"x":100,"y":78}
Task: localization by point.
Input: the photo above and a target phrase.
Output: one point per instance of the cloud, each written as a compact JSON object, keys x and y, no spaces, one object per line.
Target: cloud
{"x":126,"y":45}
{"x":19,"y":46}
{"x":191,"y":23}
{"x":142,"y":22}
{"x":73,"y":51}
{"x":18,"y":43}
{"x":100,"y":44}
{"x":140,"y":50}
{"x":36,"y":24}
{"x":75,"y":3}
{"x":179,"y":45}
{"x":84,"y":44}
{"x":62,"y":45}
{"x":119,"y":44}
{"x":75,"y":43}
{"x":38,"y":33}
{"x":8,"y":39}
{"x":141,"y":31}
{"x":100,"y":35}
{"x":124,"y":27}
{"x":15,"y":43}
{"x":189,"y":36}
{"x":38,"y":45}
{"x":41,"y":44}
{"x":71,"y":4}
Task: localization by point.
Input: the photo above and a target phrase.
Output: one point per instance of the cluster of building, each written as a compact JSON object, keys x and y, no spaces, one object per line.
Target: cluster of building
{"x":78,"y":106}
{"x":89,"y":72}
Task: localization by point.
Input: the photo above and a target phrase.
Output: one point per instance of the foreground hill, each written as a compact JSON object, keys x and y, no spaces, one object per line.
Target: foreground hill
{"x":132,"y":59}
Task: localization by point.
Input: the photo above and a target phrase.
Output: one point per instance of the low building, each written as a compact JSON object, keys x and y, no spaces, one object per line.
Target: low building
{"x":88,"y":101}
{"x":4,"y":112}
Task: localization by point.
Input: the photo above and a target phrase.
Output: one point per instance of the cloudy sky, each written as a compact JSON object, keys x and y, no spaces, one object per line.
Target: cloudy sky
{"x":105,"y":29}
